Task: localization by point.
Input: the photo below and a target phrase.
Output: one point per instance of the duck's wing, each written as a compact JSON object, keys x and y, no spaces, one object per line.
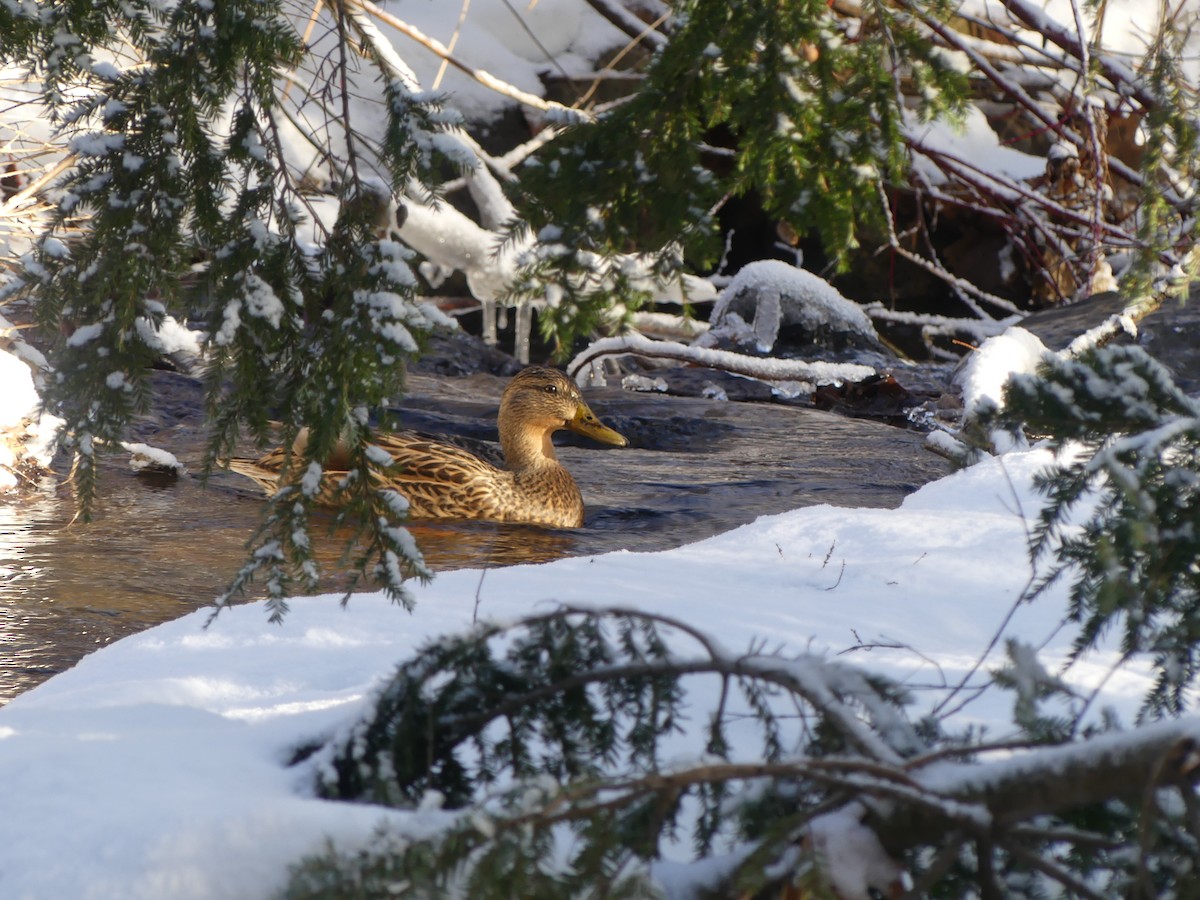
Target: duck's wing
{"x":439,"y":480}
{"x":420,"y":458}
{"x":442,"y":481}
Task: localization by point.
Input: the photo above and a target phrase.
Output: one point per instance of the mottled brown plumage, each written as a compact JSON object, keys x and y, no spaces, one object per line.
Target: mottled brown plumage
{"x":442,"y":481}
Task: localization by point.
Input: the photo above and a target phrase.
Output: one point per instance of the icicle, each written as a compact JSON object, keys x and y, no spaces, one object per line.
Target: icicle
{"x":768,"y":314}
{"x":523,"y":329}
{"x":489,"y":321}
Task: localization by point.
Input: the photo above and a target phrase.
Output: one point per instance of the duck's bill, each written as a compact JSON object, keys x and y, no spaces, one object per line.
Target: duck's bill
{"x":586,"y":423}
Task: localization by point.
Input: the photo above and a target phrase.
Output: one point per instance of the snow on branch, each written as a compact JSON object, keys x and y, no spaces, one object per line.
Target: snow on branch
{"x":1122,"y":78}
{"x":640,"y":31}
{"x":564,"y":114}
{"x":1050,"y":780}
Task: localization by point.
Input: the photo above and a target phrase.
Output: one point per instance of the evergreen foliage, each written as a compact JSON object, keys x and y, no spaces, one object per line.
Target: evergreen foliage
{"x":783,"y":99}
{"x":560,"y":722}
{"x":182,"y":198}
{"x":538,"y":759}
{"x":1123,"y":505}
{"x":1172,"y":146}
{"x":538,"y":751}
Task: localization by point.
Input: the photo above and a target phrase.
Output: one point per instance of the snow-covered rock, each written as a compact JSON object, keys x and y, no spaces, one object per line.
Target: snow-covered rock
{"x":769,"y":295}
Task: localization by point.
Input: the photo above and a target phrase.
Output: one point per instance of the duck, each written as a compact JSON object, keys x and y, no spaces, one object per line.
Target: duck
{"x":443,"y":481}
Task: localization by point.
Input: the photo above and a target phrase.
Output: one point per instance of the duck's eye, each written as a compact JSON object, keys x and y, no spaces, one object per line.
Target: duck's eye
{"x":551,"y":389}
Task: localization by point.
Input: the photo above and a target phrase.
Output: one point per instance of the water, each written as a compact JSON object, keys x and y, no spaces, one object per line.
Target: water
{"x":67,"y":587}
{"x":159,"y":548}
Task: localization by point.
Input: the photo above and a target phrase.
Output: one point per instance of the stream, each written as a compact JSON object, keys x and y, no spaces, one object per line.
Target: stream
{"x":161,"y":547}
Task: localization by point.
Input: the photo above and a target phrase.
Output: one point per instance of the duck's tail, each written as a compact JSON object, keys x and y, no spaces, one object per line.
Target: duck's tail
{"x":267,"y":479}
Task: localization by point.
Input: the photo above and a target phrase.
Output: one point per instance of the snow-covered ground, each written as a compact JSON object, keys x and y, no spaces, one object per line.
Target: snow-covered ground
{"x":157,"y":766}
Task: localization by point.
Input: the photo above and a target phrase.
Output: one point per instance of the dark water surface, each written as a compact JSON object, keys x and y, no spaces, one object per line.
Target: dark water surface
{"x":159,"y":548}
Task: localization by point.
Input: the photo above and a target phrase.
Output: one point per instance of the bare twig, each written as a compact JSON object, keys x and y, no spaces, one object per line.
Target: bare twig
{"x":621,"y":54}
{"x":1049,"y":869}
{"x":462,"y":18}
{"x":841,"y":572}
{"x":966,"y":288}
{"x":37,"y":185}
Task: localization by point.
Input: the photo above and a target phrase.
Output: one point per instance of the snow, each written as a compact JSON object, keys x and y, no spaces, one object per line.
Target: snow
{"x":587,"y":366}
{"x":96,"y":144}
{"x":231,"y":320}
{"x":310,"y":484}
{"x":852,"y":854}
{"x":446,"y":235}
{"x":85,"y":333}
{"x":19,"y":398}
{"x":157,"y":766}
{"x":1127,"y":25}
{"x":972,"y":141}
{"x":26,"y":433}
{"x":143,"y":457}
{"x":259,"y":300}
{"x":169,"y":336}
{"x":515,"y":41}
{"x":128,"y":775}
{"x":985,"y":371}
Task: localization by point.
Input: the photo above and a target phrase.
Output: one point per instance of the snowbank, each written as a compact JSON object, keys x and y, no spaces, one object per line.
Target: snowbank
{"x":158,"y":766}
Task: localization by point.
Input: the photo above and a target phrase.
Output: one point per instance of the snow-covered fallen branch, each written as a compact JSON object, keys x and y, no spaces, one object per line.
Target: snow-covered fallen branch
{"x":665,"y":326}
{"x":931,"y":325}
{"x":1109,"y":329}
{"x":1048,"y":780}
{"x":851,"y":805}
{"x":583,"y":366}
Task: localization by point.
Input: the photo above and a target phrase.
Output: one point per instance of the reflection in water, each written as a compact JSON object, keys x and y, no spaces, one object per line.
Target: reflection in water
{"x":158,"y":550}
{"x":461,"y":545}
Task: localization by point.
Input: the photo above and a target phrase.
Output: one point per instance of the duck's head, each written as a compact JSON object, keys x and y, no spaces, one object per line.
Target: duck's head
{"x":540,"y":401}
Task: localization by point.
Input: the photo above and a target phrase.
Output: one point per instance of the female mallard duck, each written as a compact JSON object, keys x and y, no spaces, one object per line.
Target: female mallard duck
{"x":442,"y":481}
